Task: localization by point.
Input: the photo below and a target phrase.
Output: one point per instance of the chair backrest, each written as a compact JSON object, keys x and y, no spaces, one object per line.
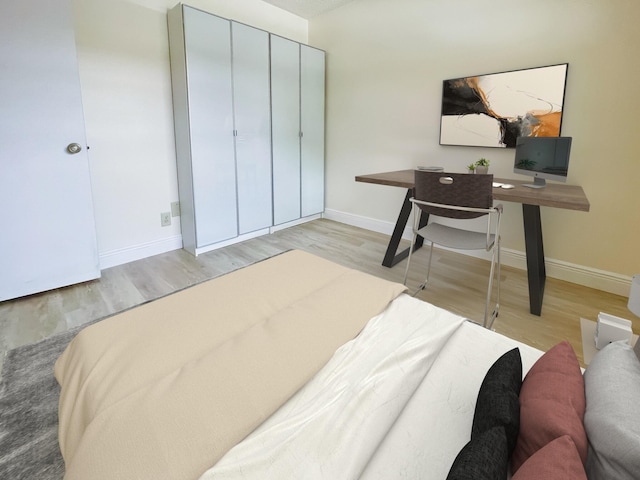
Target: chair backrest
{"x":458,"y":189}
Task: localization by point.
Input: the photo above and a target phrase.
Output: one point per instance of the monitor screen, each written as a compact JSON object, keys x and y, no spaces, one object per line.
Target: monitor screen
{"x":545,"y":158}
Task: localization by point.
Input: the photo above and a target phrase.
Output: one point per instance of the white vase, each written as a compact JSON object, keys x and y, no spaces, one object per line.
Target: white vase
{"x":481,"y":169}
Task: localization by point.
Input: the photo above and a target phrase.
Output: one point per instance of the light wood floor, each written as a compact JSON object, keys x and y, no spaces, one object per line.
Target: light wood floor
{"x":457,"y":283}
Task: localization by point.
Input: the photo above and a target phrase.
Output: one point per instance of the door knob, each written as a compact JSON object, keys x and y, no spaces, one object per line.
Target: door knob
{"x":74,"y":148}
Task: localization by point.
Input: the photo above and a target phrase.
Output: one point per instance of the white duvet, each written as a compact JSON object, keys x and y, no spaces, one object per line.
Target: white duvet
{"x":395,"y":402}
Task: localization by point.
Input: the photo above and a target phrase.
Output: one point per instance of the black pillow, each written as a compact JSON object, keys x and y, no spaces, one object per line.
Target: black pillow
{"x":498,"y":403}
{"x":485,"y":457}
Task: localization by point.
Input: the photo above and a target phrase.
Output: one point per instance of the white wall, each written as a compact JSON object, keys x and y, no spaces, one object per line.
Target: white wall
{"x":385,"y":65}
{"x":123,"y":55}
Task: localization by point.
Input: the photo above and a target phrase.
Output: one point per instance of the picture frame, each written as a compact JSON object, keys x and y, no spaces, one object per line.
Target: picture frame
{"x":493,"y":110}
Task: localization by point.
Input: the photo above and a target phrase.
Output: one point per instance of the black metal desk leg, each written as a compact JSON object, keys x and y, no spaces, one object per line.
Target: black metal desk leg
{"x":535,"y":256}
{"x":390,"y":257}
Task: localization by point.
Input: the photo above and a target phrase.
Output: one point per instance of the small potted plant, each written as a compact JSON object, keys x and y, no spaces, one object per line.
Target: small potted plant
{"x":471,"y":167}
{"x":482,"y":165}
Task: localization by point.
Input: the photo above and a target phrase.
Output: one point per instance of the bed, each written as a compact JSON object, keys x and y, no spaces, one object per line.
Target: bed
{"x":296,"y":367}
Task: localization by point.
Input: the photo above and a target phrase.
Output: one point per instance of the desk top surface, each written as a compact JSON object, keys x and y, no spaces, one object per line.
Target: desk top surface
{"x":558,"y":195}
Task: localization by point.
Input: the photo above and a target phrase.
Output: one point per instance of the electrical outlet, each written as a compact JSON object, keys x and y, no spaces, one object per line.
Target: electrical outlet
{"x":175,"y":209}
{"x":165,"y":219}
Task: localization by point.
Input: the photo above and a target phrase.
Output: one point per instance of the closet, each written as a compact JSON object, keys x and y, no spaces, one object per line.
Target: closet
{"x":245,"y":162}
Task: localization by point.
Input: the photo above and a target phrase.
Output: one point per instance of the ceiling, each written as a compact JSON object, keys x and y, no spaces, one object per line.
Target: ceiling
{"x":307,"y":8}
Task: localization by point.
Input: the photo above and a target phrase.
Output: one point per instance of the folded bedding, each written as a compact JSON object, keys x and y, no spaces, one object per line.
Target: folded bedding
{"x":166,"y":389}
{"x":333,"y":426}
{"x":396,"y":402}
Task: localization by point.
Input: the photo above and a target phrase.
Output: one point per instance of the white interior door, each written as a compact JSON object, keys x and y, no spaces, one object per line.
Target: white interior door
{"x":47,"y":238}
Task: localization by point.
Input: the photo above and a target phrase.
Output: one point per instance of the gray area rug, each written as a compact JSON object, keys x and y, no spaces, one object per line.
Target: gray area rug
{"x":29,"y":411}
{"x":29,"y":396}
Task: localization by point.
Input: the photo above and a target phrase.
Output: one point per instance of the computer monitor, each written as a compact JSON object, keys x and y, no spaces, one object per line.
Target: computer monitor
{"x":544,"y":158}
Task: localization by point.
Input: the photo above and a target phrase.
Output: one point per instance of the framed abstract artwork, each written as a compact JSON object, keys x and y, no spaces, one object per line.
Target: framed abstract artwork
{"x":493,"y":110}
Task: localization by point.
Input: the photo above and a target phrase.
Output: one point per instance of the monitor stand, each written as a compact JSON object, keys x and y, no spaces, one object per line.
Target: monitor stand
{"x":537,"y":183}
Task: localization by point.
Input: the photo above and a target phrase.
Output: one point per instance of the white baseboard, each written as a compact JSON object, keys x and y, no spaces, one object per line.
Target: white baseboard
{"x":292,"y":223}
{"x":137,"y":252}
{"x":579,"y":274}
{"x":231,"y":241}
{"x":589,"y":277}
{"x":364,"y":222}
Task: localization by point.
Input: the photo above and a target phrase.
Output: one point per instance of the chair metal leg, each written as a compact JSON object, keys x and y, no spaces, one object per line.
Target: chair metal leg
{"x":406,"y":269}
{"x":488,"y":299}
{"x":488,"y":320}
{"x":423,"y":285}
{"x":498,"y":277}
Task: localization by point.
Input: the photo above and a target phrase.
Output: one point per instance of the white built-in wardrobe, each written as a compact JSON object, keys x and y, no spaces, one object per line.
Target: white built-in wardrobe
{"x":249,"y":122}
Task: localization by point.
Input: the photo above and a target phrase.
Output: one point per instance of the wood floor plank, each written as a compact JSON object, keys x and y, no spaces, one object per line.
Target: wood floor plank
{"x":457,"y":283}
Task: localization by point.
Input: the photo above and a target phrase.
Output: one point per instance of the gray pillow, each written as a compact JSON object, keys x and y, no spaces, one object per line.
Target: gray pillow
{"x":612,"y":421}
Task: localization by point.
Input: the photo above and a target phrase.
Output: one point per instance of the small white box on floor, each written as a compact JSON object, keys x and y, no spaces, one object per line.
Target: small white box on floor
{"x":610,"y":328}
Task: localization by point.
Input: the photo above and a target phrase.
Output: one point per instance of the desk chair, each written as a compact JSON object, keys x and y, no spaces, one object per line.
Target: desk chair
{"x":459,"y":196}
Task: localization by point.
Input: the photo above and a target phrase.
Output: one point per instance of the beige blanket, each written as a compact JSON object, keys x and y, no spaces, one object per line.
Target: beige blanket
{"x":162,"y":391}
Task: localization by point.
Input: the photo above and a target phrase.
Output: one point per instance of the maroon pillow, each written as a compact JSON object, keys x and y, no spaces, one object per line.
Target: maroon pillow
{"x":558,"y":460}
{"x":552,"y":404}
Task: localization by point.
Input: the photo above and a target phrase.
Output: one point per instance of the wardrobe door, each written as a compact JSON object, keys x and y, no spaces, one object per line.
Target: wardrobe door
{"x":312,"y":129}
{"x":207,"y":41}
{"x":252,"y":116}
{"x":285,"y":120}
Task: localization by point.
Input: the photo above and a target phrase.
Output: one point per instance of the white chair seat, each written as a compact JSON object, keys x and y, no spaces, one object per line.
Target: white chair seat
{"x":455,"y":237}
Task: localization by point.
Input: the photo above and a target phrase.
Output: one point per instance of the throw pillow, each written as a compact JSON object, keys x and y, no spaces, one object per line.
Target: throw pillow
{"x":558,"y":460}
{"x":612,"y":388}
{"x":483,"y":458}
{"x":498,"y":403}
{"x":552,"y":404}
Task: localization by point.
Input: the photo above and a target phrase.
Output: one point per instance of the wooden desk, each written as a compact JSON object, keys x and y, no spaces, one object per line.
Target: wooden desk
{"x":555,"y":195}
